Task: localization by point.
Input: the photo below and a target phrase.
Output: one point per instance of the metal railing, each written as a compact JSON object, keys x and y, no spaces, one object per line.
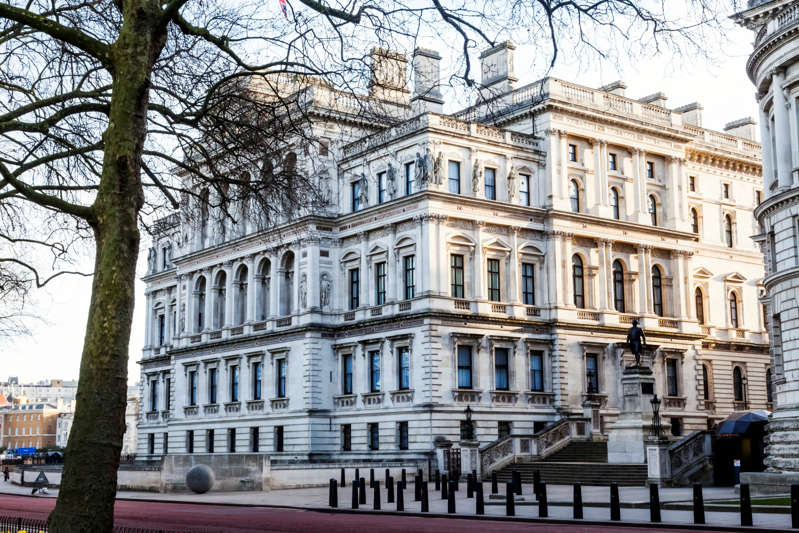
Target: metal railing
{"x":36,"y":525}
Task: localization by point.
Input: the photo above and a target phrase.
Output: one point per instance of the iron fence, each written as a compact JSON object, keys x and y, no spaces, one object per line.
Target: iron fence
{"x":18,"y":524}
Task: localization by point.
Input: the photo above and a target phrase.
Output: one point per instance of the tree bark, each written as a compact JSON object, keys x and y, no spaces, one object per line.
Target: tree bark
{"x":89,"y":482}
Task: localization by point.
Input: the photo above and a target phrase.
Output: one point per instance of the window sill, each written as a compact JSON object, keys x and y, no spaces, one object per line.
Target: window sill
{"x":539,"y":398}
{"x":255,"y":405}
{"x":344,"y":401}
{"x":504,"y":397}
{"x":674,"y":402}
{"x":280,"y":403}
{"x":466,"y":395}
{"x":233,"y":407}
{"x":372,"y":399}
{"x":402,"y":396}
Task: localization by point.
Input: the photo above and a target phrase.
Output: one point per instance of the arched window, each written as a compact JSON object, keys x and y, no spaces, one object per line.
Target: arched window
{"x":705,"y":382}
{"x":728,"y":231}
{"x":653,"y":210}
{"x":220,"y":295}
{"x":577,"y":281}
{"x":769,"y":387}
{"x":264,"y":287}
{"x":733,"y":310}
{"x":657,"y":291}
{"x":204,"y":200}
{"x":738,"y":384}
{"x":199,"y":304}
{"x":694,"y":221}
{"x":614,"y":202}
{"x":287,"y":284}
{"x":699,"y":302}
{"x":574,"y":195}
{"x":618,"y":286}
{"x":241,"y":295}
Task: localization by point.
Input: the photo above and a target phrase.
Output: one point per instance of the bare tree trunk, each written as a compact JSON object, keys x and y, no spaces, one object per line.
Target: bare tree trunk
{"x":88,"y":487}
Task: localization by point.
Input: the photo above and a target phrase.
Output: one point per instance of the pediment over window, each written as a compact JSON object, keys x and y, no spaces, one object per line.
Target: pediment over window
{"x":703,"y":273}
{"x":497,"y":245}
{"x":734,"y":277}
{"x":352,"y":255}
{"x":404,"y":242}
{"x":529,"y":249}
{"x":377,"y":249}
{"x":460,"y":240}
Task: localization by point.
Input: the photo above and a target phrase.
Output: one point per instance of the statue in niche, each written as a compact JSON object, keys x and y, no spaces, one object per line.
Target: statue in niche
{"x":636,"y":340}
{"x":513,"y":182}
{"x":324,"y":291}
{"x":477,"y":176}
{"x":422,"y":173}
{"x":391,"y":173}
{"x":325,"y":192}
{"x":363,"y":191}
{"x":182,"y":317}
{"x":151,"y":260}
{"x":303,"y":292}
{"x":438,"y":168}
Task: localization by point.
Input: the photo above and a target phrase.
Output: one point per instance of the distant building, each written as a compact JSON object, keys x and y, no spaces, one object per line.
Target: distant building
{"x":48,"y":391}
{"x":64,"y":424}
{"x":31,"y":425}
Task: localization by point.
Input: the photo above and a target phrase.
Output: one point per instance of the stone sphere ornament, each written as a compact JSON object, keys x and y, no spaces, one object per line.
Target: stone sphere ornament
{"x":200,"y":479}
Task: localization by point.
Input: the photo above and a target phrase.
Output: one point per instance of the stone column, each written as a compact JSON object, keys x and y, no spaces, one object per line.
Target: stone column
{"x":209,"y":298}
{"x":648,"y":277}
{"x":644,"y":186}
{"x":148,"y":322}
{"x":671,"y":213}
{"x":564,"y":165}
{"x":364,"y":294}
{"x":229,"y":296}
{"x":601,"y":245}
{"x":782,"y":127}
{"x":567,"y":272}
{"x":252,"y":288}
{"x":678,"y":282}
{"x":274,"y":285}
{"x":600,"y":193}
{"x":477,"y":281}
{"x":688,"y":293}
{"x":609,"y":268}
{"x":423,"y":260}
{"x":513,"y":272}
{"x":439,"y":249}
{"x":313,"y":274}
{"x":553,"y":164}
{"x":392,"y":283}
{"x":554,"y":264}
{"x":643,"y":283}
{"x":638,"y":183}
{"x":768,"y":156}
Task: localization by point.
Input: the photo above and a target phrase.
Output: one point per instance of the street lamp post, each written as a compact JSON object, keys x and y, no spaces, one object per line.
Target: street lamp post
{"x":656,"y":427}
{"x":469,"y":426}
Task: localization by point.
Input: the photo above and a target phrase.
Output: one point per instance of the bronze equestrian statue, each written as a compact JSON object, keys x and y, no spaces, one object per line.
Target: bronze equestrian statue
{"x":636,"y":340}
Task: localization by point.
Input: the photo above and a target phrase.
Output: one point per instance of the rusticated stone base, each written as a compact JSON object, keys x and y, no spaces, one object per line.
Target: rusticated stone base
{"x":782,"y":443}
{"x":769,"y":482}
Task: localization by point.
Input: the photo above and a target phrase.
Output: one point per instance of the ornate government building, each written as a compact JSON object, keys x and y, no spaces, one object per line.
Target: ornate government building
{"x":493,"y":258}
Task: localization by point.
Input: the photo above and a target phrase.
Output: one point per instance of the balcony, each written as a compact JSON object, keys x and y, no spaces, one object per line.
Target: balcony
{"x":211,"y":409}
{"x":372,"y":399}
{"x":707,"y":331}
{"x":463,"y":305}
{"x":191,"y":410}
{"x":233,"y":407}
{"x":280,"y":403}
{"x":344,"y":401}
{"x":404,"y":306}
{"x":601,"y":400}
{"x":165,"y":415}
{"x":259,"y":326}
{"x":254,"y":406}
{"x":627,"y":319}
{"x":399,"y":397}
{"x":215,"y":335}
{"x":499,"y":308}
{"x":283,"y":322}
{"x":238,"y":330}
{"x":152,"y":416}
{"x":504,"y":397}
{"x":674,"y":402}
{"x":350,"y":315}
{"x":376,"y":311}
{"x":533,"y":311}
{"x":587,"y":315}
{"x":466,"y":395}
{"x":667,"y":323}
{"x":539,"y":398}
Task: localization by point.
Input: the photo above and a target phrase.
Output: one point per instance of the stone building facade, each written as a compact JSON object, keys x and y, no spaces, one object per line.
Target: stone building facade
{"x":30,"y":425}
{"x":493,"y":259}
{"x":774,"y":69}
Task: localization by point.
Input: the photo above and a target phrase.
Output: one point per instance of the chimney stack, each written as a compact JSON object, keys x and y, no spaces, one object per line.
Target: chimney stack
{"x":658,"y":99}
{"x":691,"y":114}
{"x":389,"y":75}
{"x":617,"y":87}
{"x":496,"y":65}
{"x":744,"y":128}
{"x":427,"y":79}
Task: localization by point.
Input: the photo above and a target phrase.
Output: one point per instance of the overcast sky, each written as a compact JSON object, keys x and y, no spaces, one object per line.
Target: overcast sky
{"x":720,"y":85}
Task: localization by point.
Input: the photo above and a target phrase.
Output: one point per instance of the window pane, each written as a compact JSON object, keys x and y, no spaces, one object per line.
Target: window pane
{"x":591,"y":374}
{"x":464,"y":367}
{"x":410,"y":276}
{"x":528,"y":284}
{"x":671,"y":376}
{"x":374,"y":371}
{"x":493,"y":280}
{"x":454,"y":177}
{"x":456,"y":275}
{"x":536,"y":371}
{"x":501,"y":368}
{"x":490,"y":184}
{"x":404,"y":375}
{"x":409,"y":189}
{"x":524,"y":189}
{"x":577,"y":282}
{"x":354,"y":288}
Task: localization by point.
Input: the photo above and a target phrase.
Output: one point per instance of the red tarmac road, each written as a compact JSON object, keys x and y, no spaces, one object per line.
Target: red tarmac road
{"x":235,"y":519}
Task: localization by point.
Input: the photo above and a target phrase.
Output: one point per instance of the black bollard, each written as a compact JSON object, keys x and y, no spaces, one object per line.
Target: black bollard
{"x":376,"y":505}
{"x":420,"y":473}
{"x":425,"y":498}
{"x":510,"y":503}
{"x":474,"y":476}
{"x":342,"y":478}
{"x":543,"y":506}
{"x":479,"y":504}
{"x":578,"y":501}
{"x":438,"y":480}
{"x":388,"y":474}
{"x":417,"y":488}
{"x":400,"y":497}
{"x":469,"y":486}
{"x":371,"y":478}
{"x":404,"y":480}
{"x":654,"y":503}
{"x":746,"y":505}
{"x":390,"y":490}
{"x":615,"y":510}
{"x":333,"y":497}
{"x":362,"y":491}
{"x":457,"y":481}
{"x":355,"y":493}
{"x":536,"y":482}
{"x":357,"y":474}
{"x":795,"y":506}
{"x":494,"y":487}
{"x":451,"y":499}
{"x":699,"y":504}
{"x":516,"y":477}
{"x":444,"y":487}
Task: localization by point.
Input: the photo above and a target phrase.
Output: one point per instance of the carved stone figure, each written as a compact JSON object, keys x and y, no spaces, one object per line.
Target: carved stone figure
{"x":151,"y":260}
{"x":363,"y":191}
{"x":324,"y":188}
{"x":391,"y":173}
{"x":513,"y":182}
{"x":182,"y":318}
{"x":438,"y":168}
{"x":324,"y":291}
{"x":303,"y":292}
{"x":477,"y":176}
{"x":421,"y":171}
{"x":636,"y":340}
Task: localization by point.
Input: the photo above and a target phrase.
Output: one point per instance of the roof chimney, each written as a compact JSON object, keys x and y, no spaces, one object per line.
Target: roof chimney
{"x":617,"y":87}
{"x":427,"y":77}
{"x":658,"y":99}
{"x":389,"y":75}
{"x":744,"y":128}
{"x":496,"y":66}
{"x":691,"y":114}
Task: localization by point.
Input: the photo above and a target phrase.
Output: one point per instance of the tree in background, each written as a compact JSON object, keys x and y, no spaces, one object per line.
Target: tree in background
{"x":112,"y":113}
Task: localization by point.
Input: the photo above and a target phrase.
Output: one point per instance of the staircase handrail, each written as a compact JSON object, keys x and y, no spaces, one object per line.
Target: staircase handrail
{"x":504,"y":450}
{"x":689,"y":451}
{"x":552,"y":439}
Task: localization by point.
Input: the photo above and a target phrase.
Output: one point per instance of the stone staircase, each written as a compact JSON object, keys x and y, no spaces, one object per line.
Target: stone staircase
{"x":579,"y":462}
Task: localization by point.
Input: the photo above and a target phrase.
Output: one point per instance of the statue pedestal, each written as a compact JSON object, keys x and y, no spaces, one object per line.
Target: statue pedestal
{"x":627,"y":436}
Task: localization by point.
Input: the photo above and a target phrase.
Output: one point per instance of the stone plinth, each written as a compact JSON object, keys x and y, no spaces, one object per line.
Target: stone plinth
{"x":627,"y":435}
{"x":657,"y":460}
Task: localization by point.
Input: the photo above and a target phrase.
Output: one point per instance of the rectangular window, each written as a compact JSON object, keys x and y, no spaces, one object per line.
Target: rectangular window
{"x":166,"y":443}
{"x":374,"y":371}
{"x":490,"y":184}
{"x":409,"y":268}
{"x":151,"y":443}
{"x":503,"y":429}
{"x":164,"y":258}
{"x":278,"y":438}
{"x":402,"y":429}
{"x":650,"y":170}
{"x":212,"y":385}
{"x":256,"y":381}
{"x":692,"y":183}
{"x":403,"y":368}
{"x":612,"y":162}
{"x":231,"y":440}
{"x":234,"y":383}
{"x":355,"y":195}
{"x":524,"y":189}
{"x":161,"y":330}
{"x":281,"y":378}
{"x":725,"y":189}
{"x":501,"y":369}
{"x":354,"y":287}
{"x":346,"y":437}
{"x":346,"y":379}
{"x":168,"y":394}
{"x":409,"y":178}
{"x":464,"y":367}
{"x":493,"y":280}
{"x":380,"y":283}
{"x":209,"y":441}
{"x":374,"y":437}
{"x":255,"y":438}
{"x":528,"y":283}
{"x":381,"y":187}
{"x":153,"y":395}
{"x":671,"y":377}
{"x":454,"y":177}
{"x":758,"y":197}
{"x":537,"y":371}
{"x":573,"y":153}
{"x":193,"y":387}
{"x":591,"y":376}
{"x":456,"y":275}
